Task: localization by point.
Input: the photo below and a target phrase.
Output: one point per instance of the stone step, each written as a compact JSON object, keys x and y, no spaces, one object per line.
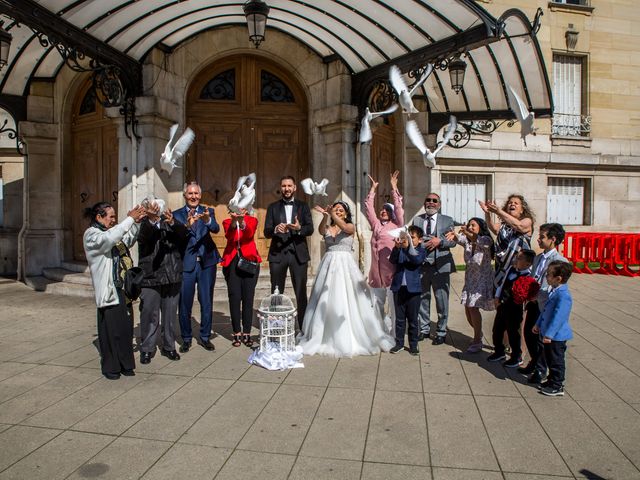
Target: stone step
{"x":67,"y":276}
{"x":75,"y":266}
{"x":43,"y":284}
{"x":64,"y":281}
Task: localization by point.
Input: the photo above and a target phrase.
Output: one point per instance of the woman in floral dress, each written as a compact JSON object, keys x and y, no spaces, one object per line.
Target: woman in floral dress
{"x":477,"y":292}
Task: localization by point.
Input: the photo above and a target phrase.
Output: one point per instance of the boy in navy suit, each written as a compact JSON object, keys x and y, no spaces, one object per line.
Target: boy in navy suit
{"x":408,"y":254}
{"x":554,"y":329}
{"x":509,"y":313}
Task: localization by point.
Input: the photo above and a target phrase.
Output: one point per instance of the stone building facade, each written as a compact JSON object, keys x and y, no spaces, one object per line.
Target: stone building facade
{"x":594,"y":168}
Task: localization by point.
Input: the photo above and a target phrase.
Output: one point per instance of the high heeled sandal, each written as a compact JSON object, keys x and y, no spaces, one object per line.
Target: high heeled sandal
{"x":246,"y":339}
{"x":236,"y":340}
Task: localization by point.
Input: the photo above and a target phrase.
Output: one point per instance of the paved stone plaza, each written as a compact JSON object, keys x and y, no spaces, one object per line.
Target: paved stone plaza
{"x":443,"y":415}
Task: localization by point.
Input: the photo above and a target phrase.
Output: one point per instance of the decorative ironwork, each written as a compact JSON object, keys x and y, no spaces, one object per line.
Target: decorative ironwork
{"x":382,"y":96}
{"x":108,"y":85}
{"x":272,"y":89}
{"x":220,"y":87}
{"x":12,"y":133}
{"x":128,"y":111}
{"x":462,"y":136}
{"x":88,"y":104}
{"x":537,"y":21}
{"x":566,"y":125}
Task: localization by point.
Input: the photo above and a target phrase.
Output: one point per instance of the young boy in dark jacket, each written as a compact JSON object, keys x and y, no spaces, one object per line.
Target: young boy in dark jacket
{"x":407,"y":255}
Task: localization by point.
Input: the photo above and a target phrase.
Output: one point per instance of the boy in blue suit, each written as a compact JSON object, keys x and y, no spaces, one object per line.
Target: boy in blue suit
{"x":553,"y":327}
{"x":408,"y":254}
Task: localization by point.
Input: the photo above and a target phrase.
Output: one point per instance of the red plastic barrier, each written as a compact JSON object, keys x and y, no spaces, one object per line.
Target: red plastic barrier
{"x":614,"y":252}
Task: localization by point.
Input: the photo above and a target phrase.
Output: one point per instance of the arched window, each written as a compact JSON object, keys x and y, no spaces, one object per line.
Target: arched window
{"x":220,"y":87}
{"x":88,"y":104}
{"x":272,"y":89}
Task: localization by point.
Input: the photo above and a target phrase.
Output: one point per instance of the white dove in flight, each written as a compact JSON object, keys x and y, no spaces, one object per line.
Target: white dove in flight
{"x":173,"y":151}
{"x":524,"y":116}
{"x":312,"y":188}
{"x":400,"y":86}
{"x":245,"y":194}
{"x":365,"y":128}
{"x":417,"y":139}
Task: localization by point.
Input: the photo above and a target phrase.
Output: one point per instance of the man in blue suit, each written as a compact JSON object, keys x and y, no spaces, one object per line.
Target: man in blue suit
{"x":199,"y":265}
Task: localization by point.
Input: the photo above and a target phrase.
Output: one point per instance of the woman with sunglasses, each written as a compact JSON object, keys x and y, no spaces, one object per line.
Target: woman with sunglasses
{"x":341,"y":319}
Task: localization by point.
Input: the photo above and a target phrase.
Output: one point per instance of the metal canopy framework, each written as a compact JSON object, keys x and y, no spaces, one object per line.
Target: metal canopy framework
{"x":367,"y":35}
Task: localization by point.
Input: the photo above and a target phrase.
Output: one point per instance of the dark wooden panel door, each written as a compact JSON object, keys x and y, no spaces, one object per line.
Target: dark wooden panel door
{"x":382,"y":160}
{"x":248,"y":115}
{"x":87,"y":182}
{"x":219,"y":154}
{"x":94,"y":162}
{"x":278,"y":148}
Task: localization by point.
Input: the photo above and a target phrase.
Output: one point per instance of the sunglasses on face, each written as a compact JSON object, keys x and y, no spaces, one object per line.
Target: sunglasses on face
{"x":431,"y":200}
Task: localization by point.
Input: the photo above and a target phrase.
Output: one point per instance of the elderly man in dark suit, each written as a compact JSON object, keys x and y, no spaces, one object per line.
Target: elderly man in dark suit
{"x":199,"y":265}
{"x":288,"y":223}
{"x":436,"y":268}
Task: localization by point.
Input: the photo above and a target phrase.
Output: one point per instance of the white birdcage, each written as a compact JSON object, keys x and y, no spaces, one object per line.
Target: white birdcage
{"x":277,"y":316}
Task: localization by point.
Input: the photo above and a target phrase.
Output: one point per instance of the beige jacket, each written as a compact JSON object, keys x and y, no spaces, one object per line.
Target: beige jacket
{"x":97,"y":248}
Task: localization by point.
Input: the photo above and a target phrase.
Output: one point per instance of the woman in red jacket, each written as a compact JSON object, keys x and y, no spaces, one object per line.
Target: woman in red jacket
{"x":241,"y":281}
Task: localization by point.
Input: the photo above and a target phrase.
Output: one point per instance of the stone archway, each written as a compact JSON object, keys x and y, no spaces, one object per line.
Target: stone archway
{"x":249,"y":115}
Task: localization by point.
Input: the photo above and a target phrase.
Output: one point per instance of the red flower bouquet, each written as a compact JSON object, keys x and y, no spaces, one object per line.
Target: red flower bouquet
{"x":525,"y":289}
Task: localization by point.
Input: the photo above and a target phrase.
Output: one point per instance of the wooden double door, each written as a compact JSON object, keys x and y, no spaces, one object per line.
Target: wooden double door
{"x":94,"y":162}
{"x":248,"y":115}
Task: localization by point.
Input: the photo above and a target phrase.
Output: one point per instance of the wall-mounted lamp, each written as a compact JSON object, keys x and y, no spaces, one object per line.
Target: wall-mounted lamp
{"x":256,"y":12}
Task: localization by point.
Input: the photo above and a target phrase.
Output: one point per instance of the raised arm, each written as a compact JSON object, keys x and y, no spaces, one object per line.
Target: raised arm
{"x":397,"y":199}
{"x":523,"y":225}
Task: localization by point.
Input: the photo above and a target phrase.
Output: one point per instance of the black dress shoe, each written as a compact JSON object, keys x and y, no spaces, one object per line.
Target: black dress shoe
{"x":414,"y":351}
{"x":145,"y":357}
{"x":170,"y":354}
{"x":528,"y":370}
{"x":422,"y":336}
{"x":206,"y":344}
{"x":536,"y":377}
{"x":128,"y":373}
{"x":184,"y":348}
{"x":438,"y":340}
{"x":111,"y":376}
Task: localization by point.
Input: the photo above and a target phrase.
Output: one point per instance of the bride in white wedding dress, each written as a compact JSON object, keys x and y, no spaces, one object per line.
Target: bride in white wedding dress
{"x":341,"y":318}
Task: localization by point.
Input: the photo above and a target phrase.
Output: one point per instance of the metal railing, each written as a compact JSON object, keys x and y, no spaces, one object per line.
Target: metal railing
{"x":568,"y":125}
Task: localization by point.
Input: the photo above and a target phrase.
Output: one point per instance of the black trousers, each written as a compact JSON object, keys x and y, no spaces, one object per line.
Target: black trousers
{"x":298,"y":271}
{"x":530,"y":338}
{"x":407,"y":305}
{"x":115,"y":337}
{"x":552,"y":357}
{"x":241,"y":287}
{"x":508,"y":318}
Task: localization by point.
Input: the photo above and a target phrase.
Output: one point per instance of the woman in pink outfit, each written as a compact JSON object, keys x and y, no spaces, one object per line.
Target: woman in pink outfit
{"x":390,"y":217}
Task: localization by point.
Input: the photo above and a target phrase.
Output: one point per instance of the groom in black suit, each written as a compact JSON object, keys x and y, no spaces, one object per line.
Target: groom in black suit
{"x":288,"y":224}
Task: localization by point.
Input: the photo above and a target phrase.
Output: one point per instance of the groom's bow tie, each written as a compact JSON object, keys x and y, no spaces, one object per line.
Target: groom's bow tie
{"x":287,"y":202}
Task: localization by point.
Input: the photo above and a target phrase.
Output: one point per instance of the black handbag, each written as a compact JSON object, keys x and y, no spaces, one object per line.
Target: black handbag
{"x":244,"y":265}
{"x":133,"y":282}
{"x":247,"y":266}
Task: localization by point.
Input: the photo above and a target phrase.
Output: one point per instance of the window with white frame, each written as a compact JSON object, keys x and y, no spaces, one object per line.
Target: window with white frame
{"x":567,"y":200}
{"x":460,"y":195}
{"x":569,"y":116}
